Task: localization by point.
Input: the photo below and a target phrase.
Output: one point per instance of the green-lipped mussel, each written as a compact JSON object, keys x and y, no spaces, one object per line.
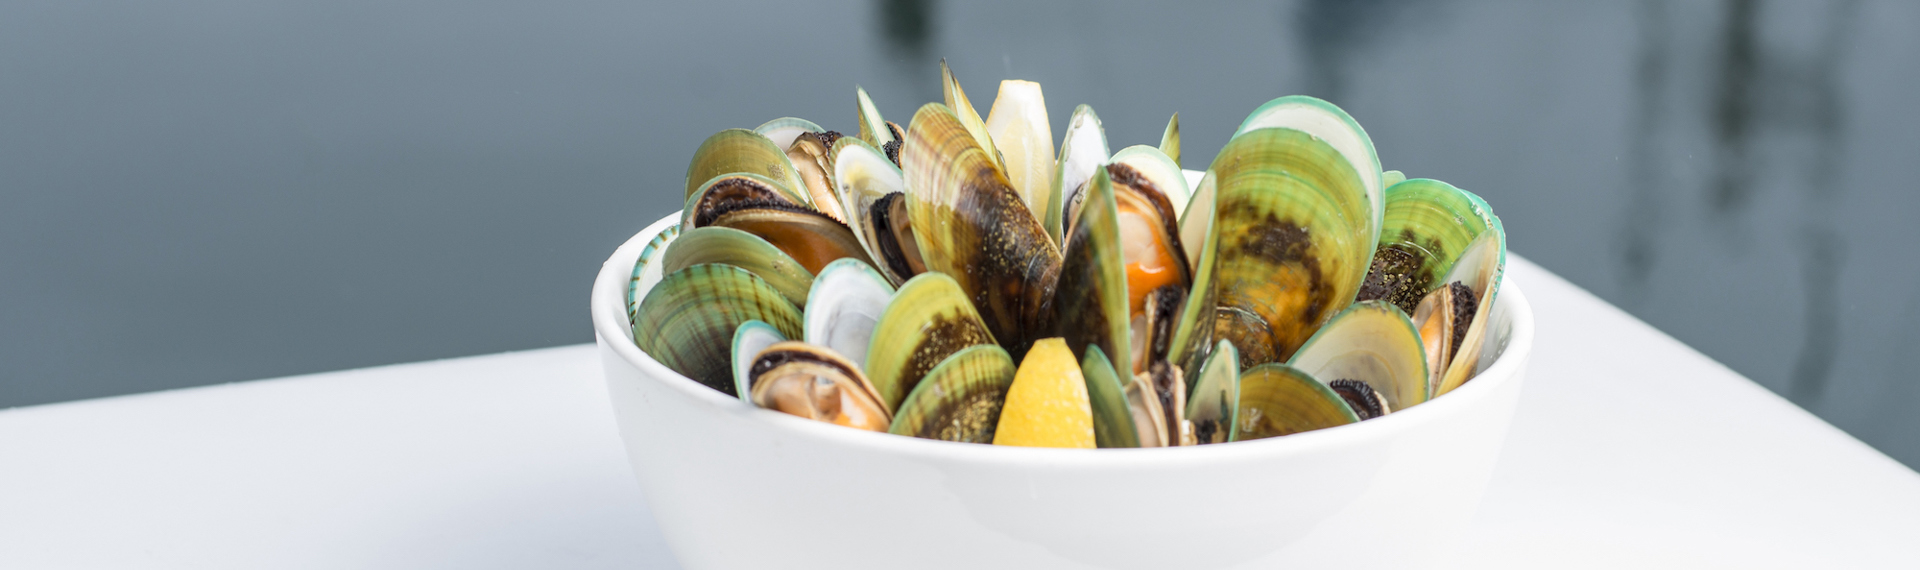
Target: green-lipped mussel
{"x":907,"y":280}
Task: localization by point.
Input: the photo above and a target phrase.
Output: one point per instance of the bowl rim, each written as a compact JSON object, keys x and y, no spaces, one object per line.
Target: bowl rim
{"x":608,"y":305}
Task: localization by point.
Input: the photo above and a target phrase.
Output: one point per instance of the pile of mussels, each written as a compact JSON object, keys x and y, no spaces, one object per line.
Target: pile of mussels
{"x":1294,"y":286}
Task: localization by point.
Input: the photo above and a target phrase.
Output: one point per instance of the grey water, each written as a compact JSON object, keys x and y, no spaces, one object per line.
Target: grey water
{"x":204,"y":191}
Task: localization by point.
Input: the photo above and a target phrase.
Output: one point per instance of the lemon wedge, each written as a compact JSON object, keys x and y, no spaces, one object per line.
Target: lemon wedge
{"x":1047,"y":405}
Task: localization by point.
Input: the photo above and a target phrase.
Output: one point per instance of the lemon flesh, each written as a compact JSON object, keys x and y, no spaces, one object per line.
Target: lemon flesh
{"x":1047,"y":405}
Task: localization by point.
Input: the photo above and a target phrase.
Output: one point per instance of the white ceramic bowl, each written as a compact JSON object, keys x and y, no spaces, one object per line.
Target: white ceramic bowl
{"x":737,"y":487}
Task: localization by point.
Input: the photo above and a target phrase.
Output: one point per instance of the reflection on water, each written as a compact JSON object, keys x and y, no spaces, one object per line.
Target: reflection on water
{"x":1734,"y":172}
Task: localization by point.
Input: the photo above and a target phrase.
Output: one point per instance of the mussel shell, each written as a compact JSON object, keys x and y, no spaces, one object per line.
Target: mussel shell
{"x":687,"y":321}
{"x":1481,"y":268}
{"x":815,"y":383}
{"x":1197,"y":217}
{"x":872,"y":193}
{"x":736,"y":191}
{"x":1428,"y":225}
{"x":812,"y":157}
{"x":1090,"y":304}
{"x":969,"y":223}
{"x":741,"y":150}
{"x":748,"y":340}
{"x":843,"y":306}
{"x":1163,"y":174}
{"x":744,"y":250}
{"x":1170,"y":140}
{"x":928,"y":319}
{"x":1112,"y":418}
{"x":956,"y":100}
{"x":1373,"y":342}
{"x":1149,"y":416}
{"x":1149,"y":232}
{"x":1328,"y":122}
{"x":782,"y":131}
{"x":810,"y":238}
{"x":1277,"y":400}
{"x":960,"y":399}
{"x":873,"y":128}
{"x":1216,"y":396}
{"x":1289,"y":244}
{"x":1082,"y":151}
{"x":647,"y":269}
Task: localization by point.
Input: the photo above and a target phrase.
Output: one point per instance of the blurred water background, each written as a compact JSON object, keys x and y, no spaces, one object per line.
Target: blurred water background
{"x":205,"y":191}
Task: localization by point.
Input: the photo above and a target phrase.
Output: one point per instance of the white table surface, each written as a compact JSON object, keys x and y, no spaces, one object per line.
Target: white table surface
{"x":1630,"y":450}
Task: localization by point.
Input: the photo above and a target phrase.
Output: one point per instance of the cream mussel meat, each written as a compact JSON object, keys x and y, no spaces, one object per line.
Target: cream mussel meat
{"x":815,"y":383}
{"x":873,"y":193}
{"x":971,"y":225}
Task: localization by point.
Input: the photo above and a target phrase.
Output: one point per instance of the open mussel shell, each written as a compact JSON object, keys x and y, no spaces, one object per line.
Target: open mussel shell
{"x":744,"y":202}
{"x":1162,"y":174}
{"x":1112,"y":417}
{"x":744,"y":250}
{"x":812,"y":157}
{"x":748,"y":340}
{"x":872,"y":192}
{"x":1216,"y":396}
{"x":1082,"y":151}
{"x":843,"y":306}
{"x":960,"y":398}
{"x":1197,"y":217}
{"x":815,"y":383}
{"x":1090,"y":303}
{"x":1372,"y":342}
{"x":928,"y":319}
{"x":1170,"y":140}
{"x":1480,"y":268}
{"x":873,"y":128}
{"x":687,"y":321}
{"x":741,"y":150}
{"x":1288,"y":247}
{"x":1330,"y":123}
{"x":1149,"y":230}
{"x":737,"y":191}
{"x":782,"y":131}
{"x":972,"y":225}
{"x":647,"y":269}
{"x":1428,"y":225}
{"x":1276,"y":400}
{"x":956,"y":100}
